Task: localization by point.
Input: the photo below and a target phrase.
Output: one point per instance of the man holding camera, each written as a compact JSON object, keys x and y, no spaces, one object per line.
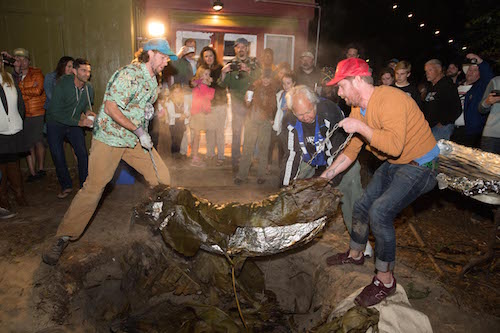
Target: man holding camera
{"x":238,"y":75}
{"x":120,"y":133}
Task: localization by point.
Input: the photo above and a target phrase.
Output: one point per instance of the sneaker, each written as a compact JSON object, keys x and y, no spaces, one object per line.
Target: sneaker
{"x":344,"y":259}
{"x":368,"y":250}
{"x":220,"y":163}
{"x":52,"y":255}
{"x":64,"y":193}
{"x":6,"y":214}
{"x":32,"y":178}
{"x":375,"y":292}
{"x":41,"y":173}
{"x":198,"y":162}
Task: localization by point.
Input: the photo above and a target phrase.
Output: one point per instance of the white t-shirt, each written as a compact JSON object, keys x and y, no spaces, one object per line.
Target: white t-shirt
{"x":462,"y":90}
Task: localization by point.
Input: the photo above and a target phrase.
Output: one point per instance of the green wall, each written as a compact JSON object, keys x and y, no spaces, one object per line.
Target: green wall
{"x":102,"y":31}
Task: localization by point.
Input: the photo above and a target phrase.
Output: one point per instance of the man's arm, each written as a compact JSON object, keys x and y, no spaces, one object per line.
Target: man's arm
{"x":341,"y":163}
{"x":37,"y":88}
{"x":112,"y":110}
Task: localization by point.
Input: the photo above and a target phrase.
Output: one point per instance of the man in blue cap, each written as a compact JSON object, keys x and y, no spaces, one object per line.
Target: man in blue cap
{"x":120,"y":133}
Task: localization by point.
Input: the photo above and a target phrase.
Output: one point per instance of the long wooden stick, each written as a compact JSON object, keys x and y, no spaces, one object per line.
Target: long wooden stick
{"x":423,"y":247}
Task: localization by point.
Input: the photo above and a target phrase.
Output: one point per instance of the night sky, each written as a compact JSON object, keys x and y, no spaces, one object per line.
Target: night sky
{"x":385,"y":33}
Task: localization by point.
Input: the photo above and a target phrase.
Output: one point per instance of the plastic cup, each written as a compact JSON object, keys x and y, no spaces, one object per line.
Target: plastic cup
{"x":249,"y":95}
{"x":91,"y":118}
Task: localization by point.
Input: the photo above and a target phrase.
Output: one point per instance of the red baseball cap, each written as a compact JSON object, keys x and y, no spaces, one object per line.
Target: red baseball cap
{"x":350,"y":67}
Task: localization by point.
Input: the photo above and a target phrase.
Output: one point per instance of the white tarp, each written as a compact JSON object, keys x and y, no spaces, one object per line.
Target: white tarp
{"x":396,"y":314}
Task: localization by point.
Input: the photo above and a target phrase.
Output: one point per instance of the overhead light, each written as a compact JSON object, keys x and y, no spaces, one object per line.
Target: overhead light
{"x":436,"y":32}
{"x":395,"y":6}
{"x":422,"y":25}
{"x":218,"y":5}
{"x":464,"y":48}
{"x":450,"y":41}
{"x":156,"y":29}
{"x":367,"y":60}
{"x":410,"y":15}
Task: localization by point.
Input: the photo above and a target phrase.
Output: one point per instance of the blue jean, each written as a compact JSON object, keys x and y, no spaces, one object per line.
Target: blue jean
{"x":443,"y":132}
{"x":56,"y":133}
{"x":392,"y":188}
{"x":239,"y":111}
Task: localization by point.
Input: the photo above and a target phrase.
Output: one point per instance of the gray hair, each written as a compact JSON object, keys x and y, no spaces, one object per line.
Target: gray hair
{"x":301,"y":90}
{"x":434,"y":62}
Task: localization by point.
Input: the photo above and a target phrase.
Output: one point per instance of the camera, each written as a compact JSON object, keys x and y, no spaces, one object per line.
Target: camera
{"x":8,"y":60}
{"x":235,"y":67}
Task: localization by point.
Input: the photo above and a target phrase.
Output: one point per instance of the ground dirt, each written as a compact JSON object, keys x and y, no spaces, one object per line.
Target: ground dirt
{"x":454,"y":229}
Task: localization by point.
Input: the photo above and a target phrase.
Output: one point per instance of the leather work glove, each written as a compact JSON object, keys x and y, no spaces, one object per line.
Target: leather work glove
{"x":144,"y":138}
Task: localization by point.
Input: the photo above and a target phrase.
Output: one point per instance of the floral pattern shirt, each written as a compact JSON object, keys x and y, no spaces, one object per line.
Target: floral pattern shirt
{"x":132,"y":88}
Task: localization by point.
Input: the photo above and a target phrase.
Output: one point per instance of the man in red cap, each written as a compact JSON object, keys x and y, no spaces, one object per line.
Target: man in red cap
{"x":392,"y":126}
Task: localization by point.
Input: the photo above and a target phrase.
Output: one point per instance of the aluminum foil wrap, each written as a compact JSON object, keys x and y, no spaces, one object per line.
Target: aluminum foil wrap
{"x":471,"y":171}
{"x":288,"y":219}
{"x":256,"y":241}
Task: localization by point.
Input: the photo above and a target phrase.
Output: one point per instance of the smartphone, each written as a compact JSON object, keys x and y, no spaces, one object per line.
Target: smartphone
{"x":190,"y":50}
{"x":496,"y":92}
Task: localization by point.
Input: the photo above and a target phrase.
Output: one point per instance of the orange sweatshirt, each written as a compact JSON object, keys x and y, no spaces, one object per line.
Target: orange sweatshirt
{"x":400,"y":132}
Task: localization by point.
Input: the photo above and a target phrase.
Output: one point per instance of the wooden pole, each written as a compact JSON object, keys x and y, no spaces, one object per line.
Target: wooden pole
{"x":425,"y":249}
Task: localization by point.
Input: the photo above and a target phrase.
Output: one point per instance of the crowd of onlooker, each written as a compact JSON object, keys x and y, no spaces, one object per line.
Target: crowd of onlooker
{"x":459,"y":101}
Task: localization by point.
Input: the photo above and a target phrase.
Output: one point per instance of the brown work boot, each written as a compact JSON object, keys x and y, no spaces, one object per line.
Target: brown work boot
{"x":375,"y":292}
{"x":4,"y":200}
{"x":16,"y":181}
{"x":344,"y":259}
{"x":51,"y":255}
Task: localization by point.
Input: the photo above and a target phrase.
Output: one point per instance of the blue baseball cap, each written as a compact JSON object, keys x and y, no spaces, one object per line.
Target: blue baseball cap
{"x":160,"y":45}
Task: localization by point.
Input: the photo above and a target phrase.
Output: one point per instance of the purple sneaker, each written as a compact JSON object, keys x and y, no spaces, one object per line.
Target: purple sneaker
{"x":375,"y":292}
{"x":343,"y":259}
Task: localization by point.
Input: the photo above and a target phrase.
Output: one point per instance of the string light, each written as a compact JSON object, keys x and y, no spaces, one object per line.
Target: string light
{"x":421,"y":25}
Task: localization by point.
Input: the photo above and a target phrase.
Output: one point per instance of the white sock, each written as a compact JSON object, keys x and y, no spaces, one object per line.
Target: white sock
{"x":388,"y":285}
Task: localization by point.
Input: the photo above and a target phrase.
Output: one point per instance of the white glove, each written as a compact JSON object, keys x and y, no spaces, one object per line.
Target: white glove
{"x":144,"y":138}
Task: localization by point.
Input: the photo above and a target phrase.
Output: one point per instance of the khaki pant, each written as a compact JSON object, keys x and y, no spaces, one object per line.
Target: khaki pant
{"x":103,"y":162}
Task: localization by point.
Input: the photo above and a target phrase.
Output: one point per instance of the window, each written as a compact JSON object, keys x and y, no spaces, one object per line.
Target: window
{"x":229,"y":45}
{"x":202,"y":39}
{"x":283,"y":47}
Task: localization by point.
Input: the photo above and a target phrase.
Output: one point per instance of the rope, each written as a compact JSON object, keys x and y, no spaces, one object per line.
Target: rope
{"x":322,"y":146}
{"x":234,"y":290}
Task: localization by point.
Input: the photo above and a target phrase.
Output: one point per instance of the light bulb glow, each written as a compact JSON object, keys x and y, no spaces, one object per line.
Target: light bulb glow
{"x":156,"y":29}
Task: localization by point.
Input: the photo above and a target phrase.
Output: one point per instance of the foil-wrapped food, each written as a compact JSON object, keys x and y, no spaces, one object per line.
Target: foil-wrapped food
{"x":293,"y":216}
{"x":472,"y":172}
{"x":287,"y":219}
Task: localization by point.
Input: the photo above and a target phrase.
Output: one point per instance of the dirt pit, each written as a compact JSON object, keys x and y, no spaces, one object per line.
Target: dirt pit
{"x":123,"y":279}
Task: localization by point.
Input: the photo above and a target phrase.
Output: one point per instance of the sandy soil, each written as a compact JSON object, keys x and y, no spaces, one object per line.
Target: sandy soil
{"x":443,"y":219}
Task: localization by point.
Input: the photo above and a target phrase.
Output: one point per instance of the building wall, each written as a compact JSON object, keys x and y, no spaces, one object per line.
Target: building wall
{"x":238,"y":16}
{"x":101,"y":31}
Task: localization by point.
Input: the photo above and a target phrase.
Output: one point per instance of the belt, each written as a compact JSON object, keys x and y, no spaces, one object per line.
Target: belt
{"x":433,"y":165}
